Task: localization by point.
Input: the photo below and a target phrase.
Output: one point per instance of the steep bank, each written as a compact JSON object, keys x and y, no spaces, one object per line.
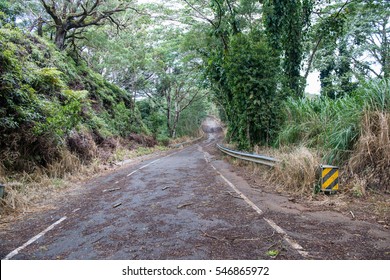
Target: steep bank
{"x":51,"y":102}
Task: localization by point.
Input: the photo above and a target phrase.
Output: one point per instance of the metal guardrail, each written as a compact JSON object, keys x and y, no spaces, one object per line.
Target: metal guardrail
{"x":269,"y":161}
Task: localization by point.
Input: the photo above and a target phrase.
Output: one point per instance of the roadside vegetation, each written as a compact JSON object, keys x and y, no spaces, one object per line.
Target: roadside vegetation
{"x":351,"y":132}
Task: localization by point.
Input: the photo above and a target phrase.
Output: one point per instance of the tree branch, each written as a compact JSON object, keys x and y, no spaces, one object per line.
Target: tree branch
{"x":200,"y":13}
{"x":311,"y":58}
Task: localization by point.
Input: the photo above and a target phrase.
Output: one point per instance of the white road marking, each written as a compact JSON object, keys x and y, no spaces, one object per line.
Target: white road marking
{"x":32,"y":240}
{"x":132,"y":173}
{"x":75,"y":210}
{"x":290,"y":241}
{"x":155,"y":160}
{"x":278,"y":229}
{"x":146,"y":165}
{"x":247,"y":200}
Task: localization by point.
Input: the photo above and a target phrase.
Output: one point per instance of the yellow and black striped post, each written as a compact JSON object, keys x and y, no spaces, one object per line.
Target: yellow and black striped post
{"x":329,"y":178}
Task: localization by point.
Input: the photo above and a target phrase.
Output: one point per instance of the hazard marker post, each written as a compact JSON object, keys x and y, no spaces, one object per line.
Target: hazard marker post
{"x":329,"y":178}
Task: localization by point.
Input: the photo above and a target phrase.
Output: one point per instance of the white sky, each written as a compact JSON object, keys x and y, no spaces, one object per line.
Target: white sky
{"x":313,"y":85}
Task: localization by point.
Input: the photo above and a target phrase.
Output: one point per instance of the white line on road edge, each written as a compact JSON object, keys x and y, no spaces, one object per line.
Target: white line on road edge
{"x":132,"y":173}
{"x":32,"y":240}
{"x":146,"y":165}
{"x":278,"y":229}
{"x":247,"y":200}
{"x":292,"y":243}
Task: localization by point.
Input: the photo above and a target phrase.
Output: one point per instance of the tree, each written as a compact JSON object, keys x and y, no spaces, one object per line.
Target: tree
{"x":369,"y":29}
{"x":253,"y":101}
{"x":351,"y":43}
{"x":8,"y":12}
{"x":286,"y":22}
{"x":177,"y":81}
{"x":121,"y":57}
{"x":71,"y":16}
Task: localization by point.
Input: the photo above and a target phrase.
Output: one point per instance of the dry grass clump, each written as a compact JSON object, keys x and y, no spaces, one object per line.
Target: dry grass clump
{"x":371,"y":156}
{"x":356,"y":186}
{"x":297,"y":171}
{"x":24,"y":191}
{"x":179,"y":140}
{"x":143,"y":140}
{"x":67,"y":164}
{"x":83,"y":144}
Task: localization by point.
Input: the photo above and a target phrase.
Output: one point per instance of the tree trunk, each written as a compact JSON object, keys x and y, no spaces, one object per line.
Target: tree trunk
{"x":60,"y":37}
{"x":40,"y":27}
{"x":168,"y":98}
{"x":175,"y":120}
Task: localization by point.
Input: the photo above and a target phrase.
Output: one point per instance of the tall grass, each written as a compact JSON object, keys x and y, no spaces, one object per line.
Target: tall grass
{"x":333,"y":126}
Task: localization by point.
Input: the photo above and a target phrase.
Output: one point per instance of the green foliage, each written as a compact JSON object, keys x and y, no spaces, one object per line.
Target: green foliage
{"x":45,"y":94}
{"x":191,"y":119}
{"x":61,"y":117}
{"x":48,"y":80}
{"x":123,"y":121}
{"x":154,"y":118}
{"x":286,"y":21}
{"x":247,"y":89}
{"x":8,"y":12}
{"x":351,"y":43}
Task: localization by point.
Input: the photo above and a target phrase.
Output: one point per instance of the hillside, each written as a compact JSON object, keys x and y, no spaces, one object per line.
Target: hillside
{"x":51,"y":103}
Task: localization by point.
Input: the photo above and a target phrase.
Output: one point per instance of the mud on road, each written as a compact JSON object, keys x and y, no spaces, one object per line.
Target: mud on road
{"x":189,"y":204}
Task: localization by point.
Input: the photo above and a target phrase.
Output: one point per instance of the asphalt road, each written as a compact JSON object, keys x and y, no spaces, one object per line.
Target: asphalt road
{"x":187,"y":204}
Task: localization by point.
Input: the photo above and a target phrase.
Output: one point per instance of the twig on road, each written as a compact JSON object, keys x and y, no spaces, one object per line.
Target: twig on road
{"x":98,"y":240}
{"x":184,"y":205}
{"x":116,"y":205}
{"x":111,"y":190}
{"x":205,"y":234}
{"x":235,"y":196}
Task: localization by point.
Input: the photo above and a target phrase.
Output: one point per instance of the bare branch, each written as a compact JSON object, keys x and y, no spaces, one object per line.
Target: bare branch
{"x":201,"y":14}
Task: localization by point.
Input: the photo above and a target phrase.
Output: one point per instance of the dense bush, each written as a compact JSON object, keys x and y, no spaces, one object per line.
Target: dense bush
{"x":247,"y":89}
